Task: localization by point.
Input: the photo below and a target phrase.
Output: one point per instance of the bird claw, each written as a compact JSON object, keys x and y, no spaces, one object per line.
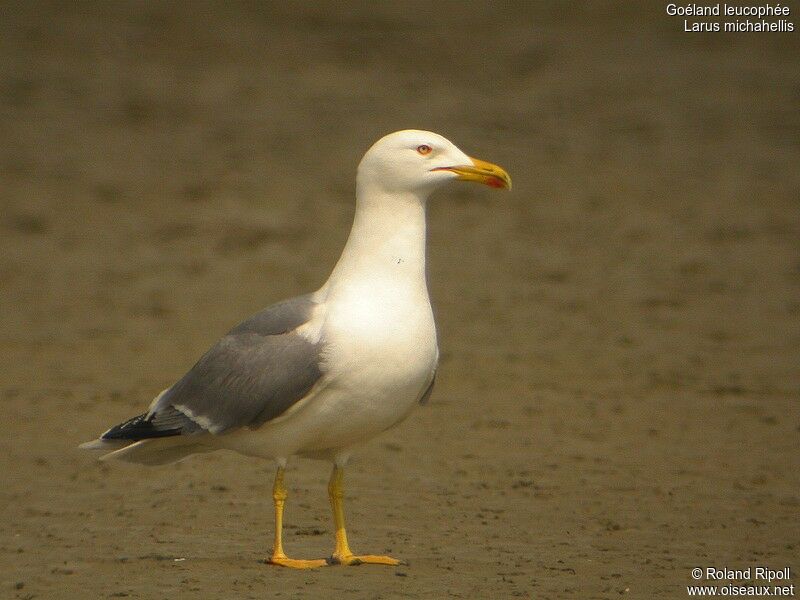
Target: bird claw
{"x":353,"y":560}
{"x":296,"y":563}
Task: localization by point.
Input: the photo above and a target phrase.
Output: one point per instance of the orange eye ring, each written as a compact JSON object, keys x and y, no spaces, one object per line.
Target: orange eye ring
{"x":424,"y":149}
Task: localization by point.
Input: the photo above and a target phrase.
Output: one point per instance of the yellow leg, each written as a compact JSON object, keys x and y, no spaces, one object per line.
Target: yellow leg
{"x":278,"y":556}
{"x":342,"y":555}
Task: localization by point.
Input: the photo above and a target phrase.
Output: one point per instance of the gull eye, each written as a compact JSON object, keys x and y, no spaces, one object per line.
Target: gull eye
{"x":424,"y":149}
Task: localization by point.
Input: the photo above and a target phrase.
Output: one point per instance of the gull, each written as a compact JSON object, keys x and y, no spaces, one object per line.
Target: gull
{"x":321,"y":374}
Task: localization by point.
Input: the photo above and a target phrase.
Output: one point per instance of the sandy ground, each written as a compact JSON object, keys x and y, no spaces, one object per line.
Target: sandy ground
{"x":618,"y":396}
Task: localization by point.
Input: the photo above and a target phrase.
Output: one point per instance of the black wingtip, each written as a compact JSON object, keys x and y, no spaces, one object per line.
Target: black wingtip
{"x":138,"y":428}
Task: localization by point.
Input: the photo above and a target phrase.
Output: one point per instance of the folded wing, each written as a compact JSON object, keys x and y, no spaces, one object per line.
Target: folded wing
{"x":253,"y":374}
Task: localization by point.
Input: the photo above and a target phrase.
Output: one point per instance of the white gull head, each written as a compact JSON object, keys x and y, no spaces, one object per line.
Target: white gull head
{"x":414,"y":162}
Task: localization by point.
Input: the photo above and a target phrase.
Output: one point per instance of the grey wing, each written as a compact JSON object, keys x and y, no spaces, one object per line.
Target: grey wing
{"x":250,"y":376}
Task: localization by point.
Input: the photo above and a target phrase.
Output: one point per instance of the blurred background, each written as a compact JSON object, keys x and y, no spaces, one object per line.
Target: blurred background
{"x":617,"y":397}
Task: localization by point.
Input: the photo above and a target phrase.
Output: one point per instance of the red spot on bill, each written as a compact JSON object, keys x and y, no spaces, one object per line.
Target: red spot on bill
{"x":495,"y":182}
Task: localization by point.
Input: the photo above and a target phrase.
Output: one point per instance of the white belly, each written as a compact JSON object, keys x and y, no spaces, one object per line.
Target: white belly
{"x":380,"y":355}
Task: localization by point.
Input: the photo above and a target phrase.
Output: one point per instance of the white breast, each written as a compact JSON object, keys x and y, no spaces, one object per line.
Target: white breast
{"x":381,"y":350}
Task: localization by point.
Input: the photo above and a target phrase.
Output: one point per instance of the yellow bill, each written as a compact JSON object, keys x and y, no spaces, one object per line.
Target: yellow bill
{"x":483,"y":172}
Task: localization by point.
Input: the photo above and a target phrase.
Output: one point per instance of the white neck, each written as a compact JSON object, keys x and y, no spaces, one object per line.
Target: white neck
{"x":386,"y":243}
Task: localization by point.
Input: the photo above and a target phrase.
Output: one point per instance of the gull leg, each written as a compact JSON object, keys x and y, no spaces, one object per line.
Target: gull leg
{"x":342,"y":555}
{"x":278,"y":556}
